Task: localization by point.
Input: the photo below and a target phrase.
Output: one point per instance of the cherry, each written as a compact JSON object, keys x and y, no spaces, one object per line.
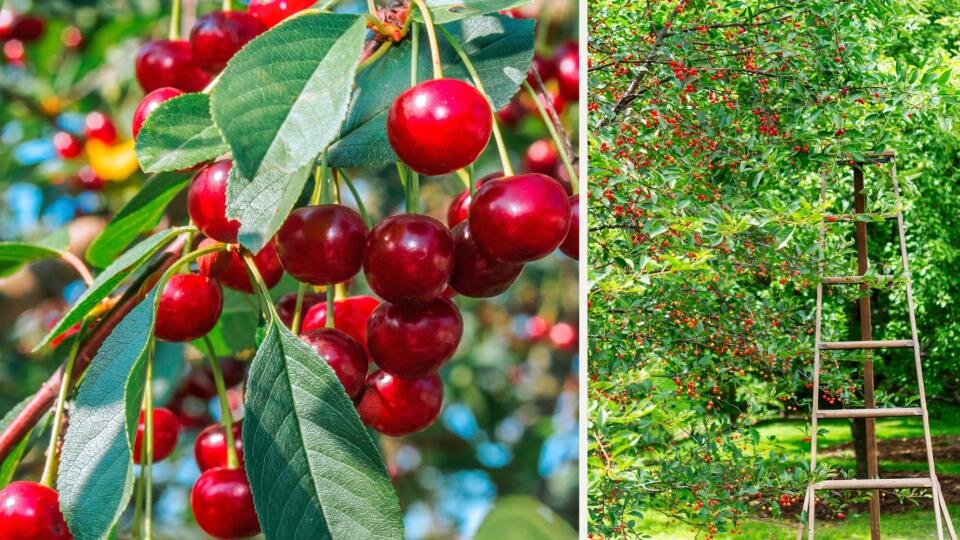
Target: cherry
{"x":272,"y":12}
{"x":512,"y":112}
{"x":28,"y":28}
{"x":218,"y":35}
{"x":541,"y":157}
{"x":396,"y":406}
{"x":149,"y":103}
{"x":166,"y":431}
{"x":87,"y":180}
{"x":571,"y":243}
{"x":190,"y":306}
{"x":7,"y":19}
{"x":457,"y":211}
{"x":163,"y":62}
{"x":544,"y":66}
{"x":439,"y":126}
{"x":222,"y":504}
{"x":519,"y":218}
{"x":474,"y":274}
{"x":349,"y":314}
{"x":68,"y":146}
{"x":322,"y":244}
{"x":412,"y":341}
{"x":342,"y":353}
{"x":31,"y":511}
{"x":98,"y":126}
{"x":563,"y":335}
{"x":199,"y":383}
{"x":567,"y":60}
{"x":287,"y":305}
{"x":207,"y":202}
{"x":228,"y":267}
{"x":14,"y":52}
{"x":408,"y":258}
{"x":210,"y":449}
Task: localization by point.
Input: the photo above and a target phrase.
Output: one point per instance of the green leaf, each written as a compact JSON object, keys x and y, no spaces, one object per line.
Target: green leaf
{"x":179,"y":134}
{"x":237,"y":326}
{"x":500,"y":48}
{"x":523,"y":518}
{"x":262,"y":205}
{"x":141,"y":214}
{"x":282,"y":98}
{"x":444,"y":11}
{"x":14,"y":255}
{"x":108,"y":280}
{"x":96,"y":467}
{"x":13,"y":459}
{"x":313,"y":468}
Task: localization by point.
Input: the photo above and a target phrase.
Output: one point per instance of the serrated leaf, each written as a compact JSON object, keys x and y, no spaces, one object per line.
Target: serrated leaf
{"x":96,"y":466}
{"x":141,"y":214}
{"x":523,"y":518}
{"x":108,"y":280}
{"x":444,"y":11}
{"x":500,"y":48}
{"x":282,"y":98}
{"x":261,"y":206}
{"x":313,"y":468}
{"x":179,"y":134}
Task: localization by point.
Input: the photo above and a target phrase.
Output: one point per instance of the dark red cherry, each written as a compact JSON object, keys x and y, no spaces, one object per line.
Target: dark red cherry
{"x":544,"y":66}
{"x":31,"y":511}
{"x":218,"y":35}
{"x":166,"y":431}
{"x":272,"y":12}
{"x":222,"y":504}
{"x":541,"y":157}
{"x":349,"y":314}
{"x":439,"y":126}
{"x":474,"y":274}
{"x":100,"y":127}
{"x":164,"y":62}
{"x":68,"y":146}
{"x":207,"y":202}
{"x":520,"y":218}
{"x":210,"y":449}
{"x":414,"y":340}
{"x":567,"y":60}
{"x":342,"y":353}
{"x":190,"y":306}
{"x":28,"y":28}
{"x":322,"y":244}
{"x":512,"y":112}
{"x":228,"y":267}
{"x":7,"y":19}
{"x":571,"y":243}
{"x":457,"y":211}
{"x":408,"y":258}
{"x":149,"y":103}
{"x":396,"y":406}
{"x":287,"y":305}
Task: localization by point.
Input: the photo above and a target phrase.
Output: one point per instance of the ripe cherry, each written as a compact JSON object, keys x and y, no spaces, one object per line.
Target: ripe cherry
{"x":396,"y":406}
{"x":349,"y":314}
{"x":272,"y":12}
{"x":567,"y":60}
{"x":287,"y":305}
{"x":210,"y":449}
{"x":408,"y":258}
{"x":149,"y":103}
{"x":166,"y":431}
{"x":207,"y":202}
{"x":190,"y":306}
{"x":414,"y":340}
{"x":474,"y":274}
{"x":571,"y":243}
{"x":218,"y":35}
{"x":222,"y":504}
{"x":545,"y":68}
{"x":322,"y":244}
{"x":163,"y":62}
{"x":519,"y":218}
{"x":457,"y":211}
{"x":541,"y":157}
{"x":8,"y":18}
{"x":439,"y":126}
{"x":342,"y":353}
{"x":31,"y":511}
{"x":512,"y":112}
{"x":563,"y":335}
{"x":228,"y":267}
{"x":68,"y":146}
{"x":100,"y":127}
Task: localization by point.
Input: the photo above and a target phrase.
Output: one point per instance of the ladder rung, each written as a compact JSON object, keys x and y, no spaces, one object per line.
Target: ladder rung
{"x":871,"y":217}
{"x":839,"y":280}
{"x":877,"y":483}
{"x":881,"y":344}
{"x":888,"y":412}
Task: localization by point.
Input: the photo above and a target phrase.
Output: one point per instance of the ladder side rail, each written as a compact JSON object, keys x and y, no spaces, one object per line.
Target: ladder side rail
{"x":816,"y":360}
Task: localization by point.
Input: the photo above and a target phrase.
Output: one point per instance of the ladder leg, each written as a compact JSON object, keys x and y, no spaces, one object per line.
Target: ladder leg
{"x":946,"y":511}
{"x":815,"y":406}
{"x":811,"y":511}
{"x":802,"y":525}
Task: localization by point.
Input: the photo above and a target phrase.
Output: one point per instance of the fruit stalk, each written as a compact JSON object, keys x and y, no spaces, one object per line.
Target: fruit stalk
{"x":53,"y":458}
{"x":356,"y":197}
{"x":226,"y":416}
{"x":147,"y":458}
{"x":432,"y":38}
{"x":174,"y":33}
{"x":78,"y":265}
{"x":552,"y":129}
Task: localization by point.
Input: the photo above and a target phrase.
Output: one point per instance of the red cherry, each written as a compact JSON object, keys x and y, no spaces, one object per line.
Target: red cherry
{"x":350,"y":315}
{"x":544,"y":66}
{"x":210,"y":449}
{"x":396,"y":406}
{"x":563,"y":335}
{"x":163,"y":62}
{"x":190,"y":306}
{"x":408,"y":258}
{"x":149,"y":103}
{"x":7,"y":20}
{"x":287,"y":305}
{"x":571,"y":243}
{"x":28,"y":28}
{"x":457,"y":211}
{"x":412,"y":341}
{"x":541,"y":157}
{"x":511,"y":113}
{"x":14,"y":52}
{"x":31,"y":511}
{"x":222,"y":504}
{"x":342,"y":353}
{"x":166,"y":431}
{"x":519,"y":218}
{"x":474,"y":274}
{"x":439,"y":126}
{"x":567,"y":60}
{"x":322,"y":244}
{"x":207,"y":202}
{"x":537,"y":327}
{"x":228,"y":267}
{"x":87,"y":180}
{"x":67,"y":145}
{"x":272,"y":12}
{"x":218,"y":35}
{"x":100,"y":127}
{"x":556,"y":100}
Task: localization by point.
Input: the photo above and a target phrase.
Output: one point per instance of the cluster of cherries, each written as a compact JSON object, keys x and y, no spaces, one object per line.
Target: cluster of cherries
{"x":16,"y":30}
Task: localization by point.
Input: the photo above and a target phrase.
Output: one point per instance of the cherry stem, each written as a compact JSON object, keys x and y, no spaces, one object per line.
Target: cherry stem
{"x":557,"y":142}
{"x":298,"y":310}
{"x":497,"y":136}
{"x":432,"y":37}
{"x":78,"y":265}
{"x":175,"y":21}
{"x":147,"y":460}
{"x":372,"y":7}
{"x":53,"y":461}
{"x":356,"y":197}
{"x":227,"y":6}
{"x":263,"y":294}
{"x":381,"y":50}
{"x":331,"y":294}
{"x":226,"y":416}
{"x":319,"y":183}
{"x":415,"y":47}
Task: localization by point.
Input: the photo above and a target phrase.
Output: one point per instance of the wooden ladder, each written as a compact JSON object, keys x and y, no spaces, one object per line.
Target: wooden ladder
{"x":870,"y":412}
